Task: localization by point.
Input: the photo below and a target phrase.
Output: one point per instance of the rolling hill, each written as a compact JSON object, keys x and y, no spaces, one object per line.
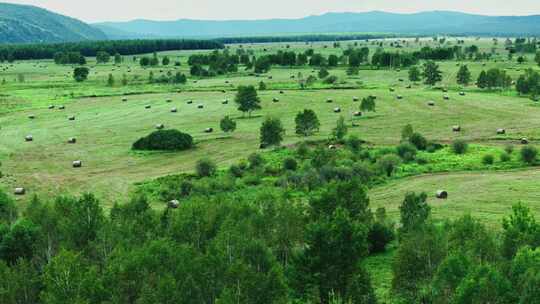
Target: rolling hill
{"x":30,"y":24}
{"x":425,"y":23}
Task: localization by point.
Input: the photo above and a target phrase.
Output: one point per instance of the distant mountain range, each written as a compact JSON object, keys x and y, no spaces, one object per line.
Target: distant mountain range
{"x":24,"y":24}
{"x":425,"y":23}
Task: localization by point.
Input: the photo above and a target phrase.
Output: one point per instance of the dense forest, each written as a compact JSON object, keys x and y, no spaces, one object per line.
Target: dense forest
{"x":12,"y":52}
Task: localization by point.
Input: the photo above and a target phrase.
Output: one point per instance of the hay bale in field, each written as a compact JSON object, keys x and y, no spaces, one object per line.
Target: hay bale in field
{"x":524,"y":141}
{"x":446,"y":97}
{"x":431,"y":103}
{"x":442,"y":194}
{"x":329,"y":100}
{"x":337,"y":110}
{"x":28,"y":138}
{"x":160,"y":126}
{"x":31,"y":116}
{"x":401,"y":80}
{"x":223,"y":91}
{"x":77,"y":164}
{"x":147,"y":106}
{"x":169,"y":100}
{"x":19,"y":191}
{"x":456,"y":128}
{"x":71,"y":118}
{"x":445,"y":90}
{"x":200,"y":106}
{"x":173,"y":204}
{"x":408,"y":86}
{"x":392,"y":89}
{"x":124,"y":99}
{"x":461,"y":93}
{"x":61,"y":107}
{"x":174,"y":110}
{"x":399,"y":97}
{"x":332,"y":147}
{"x":373,"y":96}
{"x":269,"y":77}
{"x":355,"y":98}
{"x":189,"y":101}
{"x":275,"y":99}
{"x":208,"y":130}
{"x":357,"y":114}
{"x":281,"y":92}
{"x":72,"y":140}
{"x":51,"y":107}
{"x":501,"y":131}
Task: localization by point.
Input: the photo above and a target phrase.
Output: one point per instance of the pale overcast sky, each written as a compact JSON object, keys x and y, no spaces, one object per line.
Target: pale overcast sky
{"x":121,"y":10}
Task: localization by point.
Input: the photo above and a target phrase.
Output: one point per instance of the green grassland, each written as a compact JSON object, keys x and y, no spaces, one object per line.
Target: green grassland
{"x":106,"y":127}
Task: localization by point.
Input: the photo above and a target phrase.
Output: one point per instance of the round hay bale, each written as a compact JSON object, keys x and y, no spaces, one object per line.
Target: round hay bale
{"x":357,"y":114}
{"x":329,"y":100}
{"x":392,"y":89}
{"x":61,"y":107}
{"x":281,"y":92}
{"x":399,"y":97}
{"x":208,"y":130}
{"x":31,"y":116}
{"x":445,"y":90}
{"x":189,"y":101}
{"x":337,"y":110}
{"x":446,"y":97}
{"x":169,"y":100}
{"x":124,"y":99}
{"x":441,"y":194}
{"x":19,"y":191}
{"x":200,"y":106}
{"x":408,"y":86}
{"x":226,"y":101}
{"x":71,"y":118}
{"x":461,"y":93}
{"x":332,"y":147}
{"x":456,"y":128}
{"x":51,"y":107}
{"x":400,"y":80}
{"x":431,"y":103}
{"x":355,"y":98}
{"x":174,"y":204}
{"x":524,"y":141}
{"x":147,"y":106}
{"x":28,"y":138}
{"x":77,"y":164}
{"x":174,"y":110}
{"x":72,"y":140}
{"x":501,"y":131}
{"x":160,"y":126}
{"x":275,"y":99}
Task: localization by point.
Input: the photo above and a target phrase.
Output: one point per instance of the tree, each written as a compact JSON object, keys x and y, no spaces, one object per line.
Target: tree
{"x":80,"y":74}
{"x":110,"y":80}
{"x":272,"y":132}
{"x":431,"y":73}
{"x":227,"y":125}
{"x":485,"y":284}
{"x":165,"y":60}
{"x":323,"y":73}
{"x":464,"y":76}
{"x":414,"y":211}
{"x":307,"y":123}
{"x":341,"y":129}
{"x":262,"y":86}
{"x":205,"y":167}
{"x":482,"y":81}
{"x":333,"y":61}
{"x":537,"y":58}
{"x":103,"y":57}
{"x":118,"y":59}
{"x":247,"y":99}
{"x":368,"y":104}
{"x":124,"y":80}
{"x":414,"y":74}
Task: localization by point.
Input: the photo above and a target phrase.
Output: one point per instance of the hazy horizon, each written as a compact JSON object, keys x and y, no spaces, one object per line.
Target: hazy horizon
{"x":102,"y":10}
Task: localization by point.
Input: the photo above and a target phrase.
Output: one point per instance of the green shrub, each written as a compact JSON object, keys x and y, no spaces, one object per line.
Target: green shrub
{"x":505,"y":157}
{"x":290,"y":164}
{"x":379,"y":236}
{"x":167,"y":140}
{"x":421,"y":160}
{"x":488,"y":159}
{"x":529,"y":154}
{"x":236,"y":171}
{"x":419,"y":141}
{"x":330,"y":79}
{"x":354,"y":143}
{"x":388,"y":164}
{"x":205,"y":167}
{"x":460,"y":146}
{"x":255,"y":160}
{"x":406,"y":151}
{"x":302,"y":150}
{"x":433,"y":147}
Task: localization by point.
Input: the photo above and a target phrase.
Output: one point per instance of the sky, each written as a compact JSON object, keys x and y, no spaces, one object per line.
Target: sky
{"x":124,"y":10}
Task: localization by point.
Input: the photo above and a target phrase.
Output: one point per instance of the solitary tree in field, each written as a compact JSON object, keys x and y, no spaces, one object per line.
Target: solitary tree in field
{"x":247,"y":99}
{"x":307,"y":123}
{"x":227,"y":125}
{"x":103,"y":57}
{"x":118,"y":58}
{"x":414,"y":74}
{"x":368,"y":104}
{"x":341,"y":129}
{"x":165,"y":61}
{"x":431,"y":73}
{"x":272,"y":132}
{"x":464,"y":75}
{"x":323,"y":73}
{"x":110,"y":80}
{"x":80,"y":74}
